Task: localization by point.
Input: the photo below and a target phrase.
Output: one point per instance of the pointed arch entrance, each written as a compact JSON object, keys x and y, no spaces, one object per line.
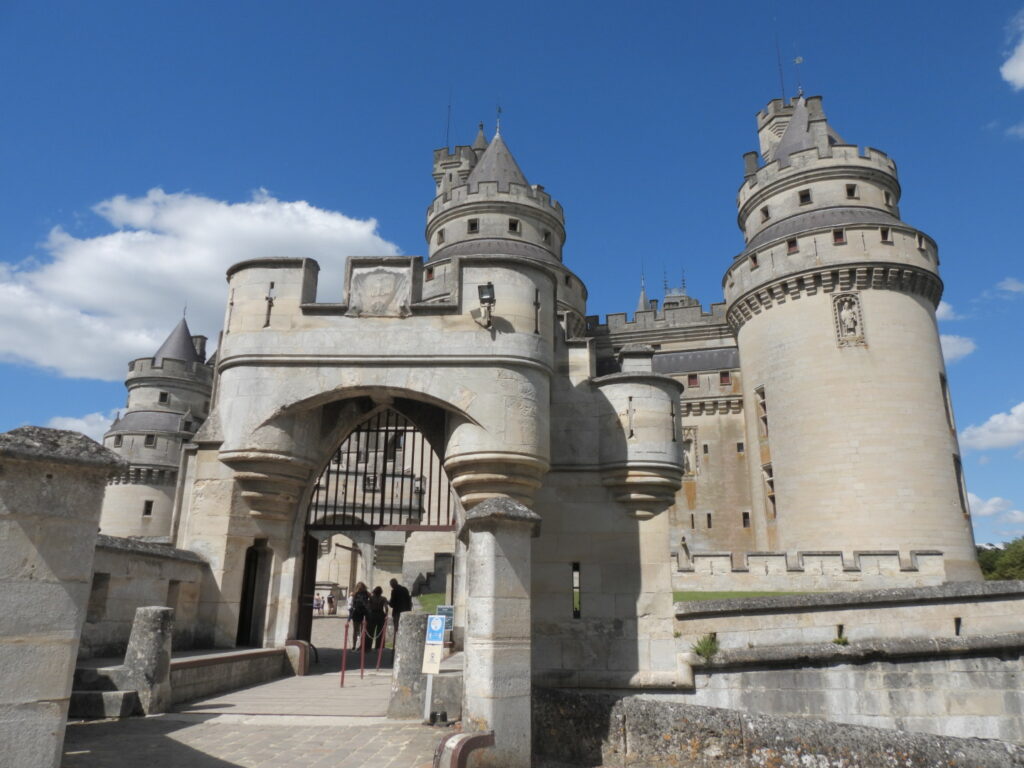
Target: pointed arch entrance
{"x":387,"y":475}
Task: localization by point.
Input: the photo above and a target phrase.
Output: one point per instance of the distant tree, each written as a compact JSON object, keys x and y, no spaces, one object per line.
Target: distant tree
{"x":1003,"y":564}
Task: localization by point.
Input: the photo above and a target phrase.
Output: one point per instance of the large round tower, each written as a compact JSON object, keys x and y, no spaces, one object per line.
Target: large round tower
{"x":833,"y":303}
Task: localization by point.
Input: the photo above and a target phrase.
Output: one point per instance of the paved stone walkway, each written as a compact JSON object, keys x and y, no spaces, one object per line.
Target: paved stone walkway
{"x":306,"y":722}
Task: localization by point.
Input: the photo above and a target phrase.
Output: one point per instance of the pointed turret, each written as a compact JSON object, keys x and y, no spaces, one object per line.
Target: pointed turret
{"x":642,"y":304}
{"x":480,"y":143}
{"x":178,"y":346}
{"x":497,"y":164}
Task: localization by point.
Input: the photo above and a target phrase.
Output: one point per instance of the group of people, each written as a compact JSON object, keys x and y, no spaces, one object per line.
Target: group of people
{"x":371,"y":609}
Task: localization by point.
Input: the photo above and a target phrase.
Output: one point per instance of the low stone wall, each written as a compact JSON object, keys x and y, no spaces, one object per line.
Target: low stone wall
{"x":604,"y":729}
{"x":958,"y":609}
{"x":127,"y":574}
{"x":810,"y":571}
{"x":196,"y":677}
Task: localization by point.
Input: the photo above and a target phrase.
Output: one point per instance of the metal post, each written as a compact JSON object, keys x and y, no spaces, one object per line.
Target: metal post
{"x":344,"y":655}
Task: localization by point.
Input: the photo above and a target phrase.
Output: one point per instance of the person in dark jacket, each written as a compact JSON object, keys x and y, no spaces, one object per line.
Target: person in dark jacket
{"x":360,"y":603}
{"x":376,"y":618}
{"x":401,"y":601}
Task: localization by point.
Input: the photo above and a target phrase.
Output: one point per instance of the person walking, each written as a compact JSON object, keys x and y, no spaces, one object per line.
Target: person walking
{"x":332,"y":607}
{"x":376,"y":618}
{"x":360,"y":602}
{"x":318,"y":605}
{"x":401,"y":601}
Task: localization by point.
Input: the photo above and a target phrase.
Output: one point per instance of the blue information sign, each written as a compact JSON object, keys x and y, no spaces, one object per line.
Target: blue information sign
{"x":435,"y":630}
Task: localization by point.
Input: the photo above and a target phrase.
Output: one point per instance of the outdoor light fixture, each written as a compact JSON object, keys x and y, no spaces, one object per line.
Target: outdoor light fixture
{"x":487,"y":303}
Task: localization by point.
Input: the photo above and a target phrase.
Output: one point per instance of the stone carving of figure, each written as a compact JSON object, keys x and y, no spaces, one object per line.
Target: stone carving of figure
{"x":687,"y":461}
{"x":848,"y":317}
{"x":684,"y":553}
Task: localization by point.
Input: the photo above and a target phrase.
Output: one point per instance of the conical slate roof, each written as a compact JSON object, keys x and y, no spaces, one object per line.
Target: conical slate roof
{"x":481,"y":141}
{"x":798,"y":135}
{"x":642,"y":304}
{"x":178,"y":346}
{"x":497,"y":164}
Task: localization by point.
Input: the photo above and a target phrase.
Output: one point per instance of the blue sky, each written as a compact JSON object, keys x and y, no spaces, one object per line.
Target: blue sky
{"x":146,"y":146}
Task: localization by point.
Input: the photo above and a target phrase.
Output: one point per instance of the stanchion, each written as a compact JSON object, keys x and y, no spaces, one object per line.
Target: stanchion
{"x":382,"y":641}
{"x":344,"y":655}
{"x":362,"y":650}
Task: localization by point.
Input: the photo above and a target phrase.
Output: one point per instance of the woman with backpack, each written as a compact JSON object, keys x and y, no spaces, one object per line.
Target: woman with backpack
{"x":360,"y":603}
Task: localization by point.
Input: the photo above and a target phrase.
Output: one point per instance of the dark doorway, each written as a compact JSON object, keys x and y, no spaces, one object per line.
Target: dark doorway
{"x":255,"y":584}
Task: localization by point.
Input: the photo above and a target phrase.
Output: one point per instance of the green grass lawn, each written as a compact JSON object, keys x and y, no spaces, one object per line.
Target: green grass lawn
{"x":431,"y":600}
{"x":683,"y":597}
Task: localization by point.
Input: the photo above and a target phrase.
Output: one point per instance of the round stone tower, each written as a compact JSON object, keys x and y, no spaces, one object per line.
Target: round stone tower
{"x":168,"y":400}
{"x":833,"y":303}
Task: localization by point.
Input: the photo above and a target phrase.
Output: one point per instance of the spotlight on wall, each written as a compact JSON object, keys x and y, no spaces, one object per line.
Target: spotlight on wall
{"x":487,"y":302}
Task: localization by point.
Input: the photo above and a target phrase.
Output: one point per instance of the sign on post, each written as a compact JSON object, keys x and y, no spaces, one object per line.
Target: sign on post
{"x":433,"y":649}
{"x":448,"y":611}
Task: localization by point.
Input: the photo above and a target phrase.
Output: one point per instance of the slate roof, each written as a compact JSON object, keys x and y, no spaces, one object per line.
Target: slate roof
{"x":824,"y":218}
{"x":695,"y":360}
{"x":497,"y":164}
{"x":494,"y":247}
{"x":147,"y":421}
{"x":178,"y":346}
{"x":798,"y":136}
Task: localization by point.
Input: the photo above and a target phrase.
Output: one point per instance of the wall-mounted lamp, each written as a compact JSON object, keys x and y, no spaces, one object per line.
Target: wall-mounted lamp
{"x":487,"y":302}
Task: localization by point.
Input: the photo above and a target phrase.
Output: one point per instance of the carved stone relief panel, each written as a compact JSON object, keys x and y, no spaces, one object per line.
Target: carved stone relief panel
{"x":849,"y":320}
{"x":690,"y":452}
{"x":379,"y":292}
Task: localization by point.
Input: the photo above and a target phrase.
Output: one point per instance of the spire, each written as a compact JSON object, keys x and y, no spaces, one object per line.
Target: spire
{"x":497,"y":164}
{"x":178,"y":346}
{"x":480,"y":143}
{"x":804,"y":130}
{"x":642,"y":304}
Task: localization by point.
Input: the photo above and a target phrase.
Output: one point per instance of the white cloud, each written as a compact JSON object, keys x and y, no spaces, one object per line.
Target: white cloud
{"x":99,"y":302}
{"x":987,"y":507}
{"x":92,"y":424}
{"x":956,"y":347}
{"x":1011,"y":284}
{"x":945,"y":312}
{"x":1001,"y":430}
{"x":1012,"y":69}
{"x":1016,"y":131}
{"x":1014,"y":516}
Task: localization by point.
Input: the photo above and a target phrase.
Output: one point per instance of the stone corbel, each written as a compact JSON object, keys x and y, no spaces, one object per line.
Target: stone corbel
{"x":271,"y":483}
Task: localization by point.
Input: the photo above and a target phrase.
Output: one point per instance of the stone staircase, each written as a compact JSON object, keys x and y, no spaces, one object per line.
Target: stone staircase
{"x":103,"y":692}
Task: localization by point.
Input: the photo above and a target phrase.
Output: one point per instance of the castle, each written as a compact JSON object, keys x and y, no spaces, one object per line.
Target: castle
{"x":798,"y":436}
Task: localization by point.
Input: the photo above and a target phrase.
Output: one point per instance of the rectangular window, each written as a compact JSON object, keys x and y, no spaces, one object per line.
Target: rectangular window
{"x":886,"y":235}
{"x":851,"y":191}
{"x":188,"y":426}
{"x":704,"y":449}
{"x":547,"y":237}
{"x":746,"y":519}
{"x":739,"y":448}
{"x":164,"y":397}
{"x":724,"y":378}
{"x":805,"y":196}
{"x":147,"y":508}
{"x":792,"y":246}
{"x":753,"y":261}
{"x":762,"y":412}
{"x":769,"y":490}
{"x":961,"y":486}
{"x":692,"y":380}
{"x":709,"y":519}
{"x":765,"y":214}
{"x":839,"y":237}
{"x":473,"y":226}
{"x":693,"y":521}
{"x":440,"y":236}
{"x":576,"y":590}
{"x":888,"y":198}
{"x":920,"y":241}
{"x":150,"y":441}
{"x":947,"y":401}
{"x":370,"y":483}
{"x":513,"y":225}
{"x":429,"y":274}
{"x":118,"y":440}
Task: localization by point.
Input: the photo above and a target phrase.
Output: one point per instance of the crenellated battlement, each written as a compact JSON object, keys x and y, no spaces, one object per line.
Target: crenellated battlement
{"x":658,"y":320}
{"x":170,"y":368}
{"x":487,"y":192}
{"x":853,"y":159}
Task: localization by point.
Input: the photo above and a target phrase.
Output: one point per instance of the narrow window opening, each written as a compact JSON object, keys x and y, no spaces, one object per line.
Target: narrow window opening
{"x":792,"y":246}
{"x":449,"y":177}
{"x":709,"y":519}
{"x":164,"y":397}
{"x":851,"y":191}
{"x":206,"y":406}
{"x":568,"y":280}
{"x":753,"y":261}
{"x":839,"y":237}
{"x":839,"y":632}
{"x":886,"y":235}
{"x":440,"y":236}
{"x":762,"y":412}
{"x":473,"y":226}
{"x":692,"y":380}
{"x":769,"y":490}
{"x":888,"y":198}
{"x":948,"y":402}
{"x":920,"y":241}
{"x":693,"y":521}
{"x":746,"y":519}
{"x":147,"y":508}
{"x":765,"y":214}
{"x":150,"y":441}
{"x":118,"y":440}
{"x":805,"y":196}
{"x":957,"y":624}
{"x":188,"y":426}
{"x":547,"y":237}
{"x":513,"y":225}
{"x":704,"y":449}
{"x":576,"y":590}
{"x":739,"y":447}
{"x":370,"y":483}
{"x":430,"y":274}
{"x":724,"y":378}
{"x":960,"y":487}
{"x":629,"y":415}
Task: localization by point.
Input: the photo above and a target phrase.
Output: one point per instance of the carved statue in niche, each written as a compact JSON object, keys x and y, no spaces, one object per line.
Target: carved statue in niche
{"x":849,"y":319}
{"x":379,"y":292}
{"x":689,"y":454}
